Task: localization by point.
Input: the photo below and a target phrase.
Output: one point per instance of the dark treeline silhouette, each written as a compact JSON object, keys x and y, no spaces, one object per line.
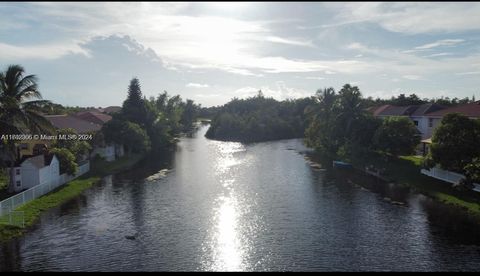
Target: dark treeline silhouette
{"x":413,"y":99}
{"x":259,"y":119}
{"x":149,"y":124}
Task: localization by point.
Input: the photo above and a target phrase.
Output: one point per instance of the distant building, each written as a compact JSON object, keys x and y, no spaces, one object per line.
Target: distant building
{"x":417,"y":113}
{"x":89,"y":122}
{"x":69,"y":121}
{"x":471,"y":110}
{"x":112,"y":109}
{"x":32,"y":148}
{"x":93,"y":117}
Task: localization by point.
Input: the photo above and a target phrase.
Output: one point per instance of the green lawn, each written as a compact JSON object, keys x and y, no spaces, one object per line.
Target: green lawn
{"x":33,"y":209}
{"x":405,"y":170}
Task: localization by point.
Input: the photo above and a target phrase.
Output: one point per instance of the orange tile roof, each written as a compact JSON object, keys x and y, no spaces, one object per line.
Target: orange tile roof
{"x":471,"y":110}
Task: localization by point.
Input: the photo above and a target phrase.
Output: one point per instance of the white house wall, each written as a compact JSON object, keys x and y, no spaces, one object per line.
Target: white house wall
{"x":107,"y":152}
{"x":30,"y":175}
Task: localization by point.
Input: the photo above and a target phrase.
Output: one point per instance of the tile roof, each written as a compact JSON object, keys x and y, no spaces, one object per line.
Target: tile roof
{"x":427,"y":108}
{"x":69,"y":121}
{"x":112,"y":109}
{"x":392,"y":110}
{"x":470,"y":110}
{"x":93,"y":117}
{"x":409,"y":110}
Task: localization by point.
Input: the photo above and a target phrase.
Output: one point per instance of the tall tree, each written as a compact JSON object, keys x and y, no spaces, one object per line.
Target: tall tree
{"x":322,"y":129}
{"x":188,"y":114}
{"x":349,"y":105}
{"x":134,"y":106}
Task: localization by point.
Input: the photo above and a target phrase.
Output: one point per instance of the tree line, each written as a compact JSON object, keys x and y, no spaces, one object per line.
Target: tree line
{"x":413,"y":99}
{"x":149,"y":124}
{"x":340,"y":127}
{"x":259,"y":118}
{"x":142,"y":124}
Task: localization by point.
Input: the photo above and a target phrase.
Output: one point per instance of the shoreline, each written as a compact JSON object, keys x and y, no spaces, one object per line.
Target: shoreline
{"x":405,"y":171}
{"x":35,"y":208}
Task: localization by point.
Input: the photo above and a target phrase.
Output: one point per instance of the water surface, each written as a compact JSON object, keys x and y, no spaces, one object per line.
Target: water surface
{"x":234,"y":207}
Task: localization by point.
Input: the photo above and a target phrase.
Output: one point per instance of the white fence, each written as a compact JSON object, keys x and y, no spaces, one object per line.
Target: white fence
{"x":447,"y":176}
{"x":10,"y":204}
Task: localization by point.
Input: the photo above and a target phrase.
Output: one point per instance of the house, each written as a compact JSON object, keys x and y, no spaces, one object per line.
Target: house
{"x":93,"y":117}
{"x":35,"y":146}
{"x":471,"y":110}
{"x":68,"y":121}
{"x":32,"y":147}
{"x":417,"y":113}
{"x":112,"y":109}
{"x":109,"y":152}
{"x":35,"y":170}
{"x":88,"y":122}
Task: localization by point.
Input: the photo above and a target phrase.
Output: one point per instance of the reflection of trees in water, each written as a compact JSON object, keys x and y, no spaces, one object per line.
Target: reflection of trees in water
{"x":73,"y":205}
{"x":151,"y":164}
{"x":9,"y":261}
{"x":390,"y":191}
{"x":451,"y":222}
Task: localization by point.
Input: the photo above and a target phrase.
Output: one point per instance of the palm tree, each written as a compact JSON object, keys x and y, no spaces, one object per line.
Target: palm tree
{"x":350,"y":105}
{"x":18,"y":115}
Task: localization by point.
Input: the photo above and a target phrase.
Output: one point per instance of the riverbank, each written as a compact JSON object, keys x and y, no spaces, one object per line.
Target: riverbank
{"x":405,"y":171}
{"x":33,"y":209}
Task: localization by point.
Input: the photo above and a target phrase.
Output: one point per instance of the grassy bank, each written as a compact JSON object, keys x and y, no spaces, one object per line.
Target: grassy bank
{"x":405,"y":170}
{"x":33,"y":209}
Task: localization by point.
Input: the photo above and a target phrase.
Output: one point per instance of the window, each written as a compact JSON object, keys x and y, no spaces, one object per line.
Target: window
{"x":23,"y":146}
{"x":17,"y":171}
{"x":19,"y":183}
{"x":430,"y":122}
{"x":416,"y":123}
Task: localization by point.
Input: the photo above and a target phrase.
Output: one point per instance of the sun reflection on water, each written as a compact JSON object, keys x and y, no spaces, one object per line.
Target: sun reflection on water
{"x":228,"y":253}
{"x":227,"y":246}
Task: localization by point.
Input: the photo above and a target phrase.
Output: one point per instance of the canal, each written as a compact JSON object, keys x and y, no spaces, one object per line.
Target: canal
{"x":226,"y":206}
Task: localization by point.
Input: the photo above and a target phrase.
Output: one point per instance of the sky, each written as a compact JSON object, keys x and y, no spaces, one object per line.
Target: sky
{"x":85,"y":54}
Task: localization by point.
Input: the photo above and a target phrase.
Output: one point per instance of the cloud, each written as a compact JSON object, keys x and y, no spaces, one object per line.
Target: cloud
{"x":439,"y":55}
{"x":197,"y":85}
{"x":468,"y":73}
{"x":277,"y":39}
{"x":411,"y":18}
{"x":46,"y":51}
{"x":408,"y":64}
{"x":443,"y":42}
{"x":180,"y":40}
{"x":280,"y":91}
{"x":412,"y":77}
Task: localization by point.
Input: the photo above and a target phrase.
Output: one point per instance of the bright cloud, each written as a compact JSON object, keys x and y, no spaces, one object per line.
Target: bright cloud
{"x":443,"y":42}
{"x":239,"y":48}
{"x":197,"y":85}
{"x":412,"y":18}
{"x":10,"y":52}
